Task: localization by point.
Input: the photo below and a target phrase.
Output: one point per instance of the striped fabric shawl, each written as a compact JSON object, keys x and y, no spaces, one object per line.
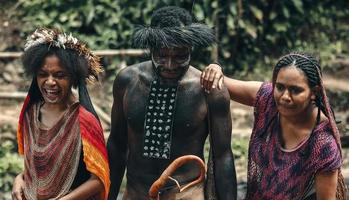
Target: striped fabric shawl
{"x":93,"y":144}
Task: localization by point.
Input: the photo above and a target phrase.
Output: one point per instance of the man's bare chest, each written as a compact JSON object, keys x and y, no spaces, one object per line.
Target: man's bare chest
{"x":188,"y":106}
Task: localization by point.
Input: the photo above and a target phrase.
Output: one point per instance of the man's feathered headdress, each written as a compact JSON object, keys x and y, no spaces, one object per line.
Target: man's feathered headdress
{"x":172,"y":26}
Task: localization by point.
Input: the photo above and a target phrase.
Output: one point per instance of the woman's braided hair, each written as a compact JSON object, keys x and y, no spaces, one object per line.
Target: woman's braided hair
{"x":310,"y":66}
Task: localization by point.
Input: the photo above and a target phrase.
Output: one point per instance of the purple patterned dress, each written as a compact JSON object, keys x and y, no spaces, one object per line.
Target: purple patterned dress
{"x":275,"y":173}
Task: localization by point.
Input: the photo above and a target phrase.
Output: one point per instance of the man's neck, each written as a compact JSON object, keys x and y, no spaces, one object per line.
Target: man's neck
{"x":168,"y":81}
{"x":165,"y":81}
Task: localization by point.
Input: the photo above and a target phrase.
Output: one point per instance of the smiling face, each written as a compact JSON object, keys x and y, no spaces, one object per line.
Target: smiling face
{"x":54,"y":81}
{"x":171,"y":63}
{"x":292,"y":93}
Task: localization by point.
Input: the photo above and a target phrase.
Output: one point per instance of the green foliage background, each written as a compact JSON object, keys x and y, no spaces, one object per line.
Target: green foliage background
{"x":11,"y":164}
{"x":251,"y":34}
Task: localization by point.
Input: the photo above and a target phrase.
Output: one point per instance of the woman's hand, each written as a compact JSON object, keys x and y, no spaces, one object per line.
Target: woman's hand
{"x":212,"y":77}
{"x":17,"y":189}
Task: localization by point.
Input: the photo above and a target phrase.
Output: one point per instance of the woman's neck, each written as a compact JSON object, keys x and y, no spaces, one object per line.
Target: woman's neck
{"x":50,"y":113}
{"x":58,"y":107}
{"x":302,"y":119}
{"x":296,"y":129}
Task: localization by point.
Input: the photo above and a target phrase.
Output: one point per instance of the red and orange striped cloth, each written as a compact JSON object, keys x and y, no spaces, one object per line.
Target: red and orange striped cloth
{"x":95,"y":153}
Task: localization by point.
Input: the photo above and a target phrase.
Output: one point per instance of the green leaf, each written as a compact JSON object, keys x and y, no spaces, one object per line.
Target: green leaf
{"x":199,"y":14}
{"x":299,"y":5}
{"x":214,"y":4}
{"x":63,"y":18}
{"x":233,"y":9}
{"x":257,"y":12}
{"x":241,"y":23}
{"x":230,"y":22}
{"x":251,"y":30}
{"x":280,"y":27}
{"x":272,"y":15}
{"x":286,"y":12}
{"x":90,"y":15}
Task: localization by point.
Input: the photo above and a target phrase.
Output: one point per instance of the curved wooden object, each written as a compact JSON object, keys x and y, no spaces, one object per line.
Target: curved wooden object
{"x":165,"y":176}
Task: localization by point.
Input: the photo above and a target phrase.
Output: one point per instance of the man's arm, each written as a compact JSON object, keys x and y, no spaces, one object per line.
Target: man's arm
{"x":220,"y":125}
{"x":117,"y":141}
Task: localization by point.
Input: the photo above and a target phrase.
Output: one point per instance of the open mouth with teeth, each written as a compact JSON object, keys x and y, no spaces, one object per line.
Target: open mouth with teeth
{"x":52,"y":95}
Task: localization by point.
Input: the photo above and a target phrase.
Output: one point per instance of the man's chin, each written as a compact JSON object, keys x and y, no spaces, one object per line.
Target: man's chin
{"x":169,"y":76}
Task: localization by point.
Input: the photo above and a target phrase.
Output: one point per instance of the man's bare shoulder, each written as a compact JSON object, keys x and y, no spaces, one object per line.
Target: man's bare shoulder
{"x":192,"y":76}
{"x":216,"y":96}
{"x":131,"y":73}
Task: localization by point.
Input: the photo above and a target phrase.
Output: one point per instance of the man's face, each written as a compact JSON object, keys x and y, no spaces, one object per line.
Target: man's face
{"x":171,"y":63}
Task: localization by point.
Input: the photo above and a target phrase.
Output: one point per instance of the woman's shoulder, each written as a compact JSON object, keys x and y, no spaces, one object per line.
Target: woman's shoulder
{"x":264,"y":109}
{"x":265,"y":89}
{"x":90,"y":127}
{"x":264,"y":94}
{"x":323,"y":132}
{"x":87,"y":119}
{"x":323,"y":141}
{"x":324,"y":149}
{"x":264,"y":103}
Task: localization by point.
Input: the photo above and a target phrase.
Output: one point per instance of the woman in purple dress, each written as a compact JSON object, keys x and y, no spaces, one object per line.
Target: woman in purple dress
{"x":294,"y":149}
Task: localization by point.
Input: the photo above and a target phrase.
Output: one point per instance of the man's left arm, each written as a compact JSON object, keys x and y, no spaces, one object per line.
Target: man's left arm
{"x":220,"y":130}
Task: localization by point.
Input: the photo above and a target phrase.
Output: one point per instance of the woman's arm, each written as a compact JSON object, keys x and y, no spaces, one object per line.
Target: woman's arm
{"x":244,"y":92}
{"x":326,"y":185}
{"x":17,"y":189}
{"x":92,"y":186}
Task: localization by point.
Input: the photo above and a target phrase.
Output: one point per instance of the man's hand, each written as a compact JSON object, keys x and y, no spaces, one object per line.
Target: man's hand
{"x":212,"y":77}
{"x":17,"y":189}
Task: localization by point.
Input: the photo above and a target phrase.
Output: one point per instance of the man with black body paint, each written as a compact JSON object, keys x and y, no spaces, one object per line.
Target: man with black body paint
{"x":160,"y":112}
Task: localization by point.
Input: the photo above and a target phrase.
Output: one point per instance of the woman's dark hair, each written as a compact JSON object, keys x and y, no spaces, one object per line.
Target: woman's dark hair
{"x":309,"y":65}
{"x":75,"y":64}
{"x":305,"y":62}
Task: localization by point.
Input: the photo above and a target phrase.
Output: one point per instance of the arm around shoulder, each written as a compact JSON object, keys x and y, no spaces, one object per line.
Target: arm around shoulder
{"x":244,"y":92}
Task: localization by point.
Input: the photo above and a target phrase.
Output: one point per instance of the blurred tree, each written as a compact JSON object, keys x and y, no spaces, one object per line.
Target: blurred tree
{"x":251,"y":34}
